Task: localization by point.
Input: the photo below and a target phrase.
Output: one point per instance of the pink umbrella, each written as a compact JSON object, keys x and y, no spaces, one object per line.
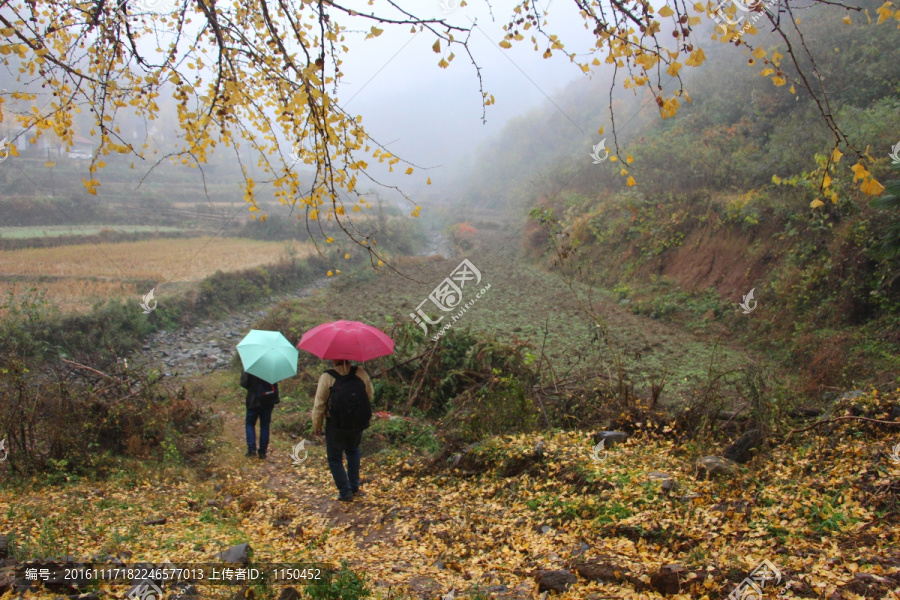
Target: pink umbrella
{"x":348,"y":340}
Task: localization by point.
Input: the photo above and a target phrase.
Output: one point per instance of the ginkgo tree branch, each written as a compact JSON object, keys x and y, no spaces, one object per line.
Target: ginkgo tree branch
{"x":256,"y":70}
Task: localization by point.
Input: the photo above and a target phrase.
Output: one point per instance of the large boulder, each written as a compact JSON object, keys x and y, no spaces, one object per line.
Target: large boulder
{"x":557,"y":580}
{"x":666,"y":580}
{"x":715,"y":465}
{"x":235,"y":554}
{"x":611,"y":438}
{"x":742,"y":449}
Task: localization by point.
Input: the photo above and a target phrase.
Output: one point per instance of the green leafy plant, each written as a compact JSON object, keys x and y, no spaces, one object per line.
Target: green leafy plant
{"x":343,"y":584}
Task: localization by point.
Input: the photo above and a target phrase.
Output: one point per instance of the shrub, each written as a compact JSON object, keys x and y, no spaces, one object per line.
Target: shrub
{"x":342,"y":584}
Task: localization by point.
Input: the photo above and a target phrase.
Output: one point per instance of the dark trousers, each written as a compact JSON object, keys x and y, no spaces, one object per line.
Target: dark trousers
{"x":264,"y":414}
{"x":337,"y":443}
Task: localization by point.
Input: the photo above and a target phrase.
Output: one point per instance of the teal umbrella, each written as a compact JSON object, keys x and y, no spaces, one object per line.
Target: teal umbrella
{"x":268,"y":355}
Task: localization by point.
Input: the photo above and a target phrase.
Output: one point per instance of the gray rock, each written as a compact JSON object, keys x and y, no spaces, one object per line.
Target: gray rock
{"x":852,"y":394}
{"x":289,"y":593}
{"x":557,"y":580}
{"x":667,"y":482}
{"x":742,"y":449}
{"x":715,"y":465}
{"x":235,"y":554}
{"x":611,"y":438}
{"x":666,"y":580}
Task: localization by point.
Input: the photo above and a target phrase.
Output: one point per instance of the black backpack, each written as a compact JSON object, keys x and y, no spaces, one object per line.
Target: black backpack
{"x":350,"y":406}
{"x":266,"y":392}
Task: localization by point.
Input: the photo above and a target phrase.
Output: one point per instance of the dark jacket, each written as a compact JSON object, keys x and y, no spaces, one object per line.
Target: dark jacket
{"x":252,"y":383}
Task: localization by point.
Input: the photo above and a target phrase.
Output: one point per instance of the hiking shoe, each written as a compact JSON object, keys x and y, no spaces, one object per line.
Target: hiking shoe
{"x":262,"y":455}
{"x":359,"y":493}
{"x":250,"y":453}
{"x":346,"y":498}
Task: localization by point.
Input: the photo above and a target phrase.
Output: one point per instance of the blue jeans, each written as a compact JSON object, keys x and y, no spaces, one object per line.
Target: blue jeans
{"x":264,"y":414}
{"x":337,"y":443}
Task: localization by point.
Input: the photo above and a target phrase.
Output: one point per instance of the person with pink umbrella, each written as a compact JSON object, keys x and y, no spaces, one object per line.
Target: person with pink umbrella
{"x":344,"y":394}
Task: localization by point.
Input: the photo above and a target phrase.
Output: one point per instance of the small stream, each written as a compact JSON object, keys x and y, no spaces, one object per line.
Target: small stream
{"x":210,"y":345}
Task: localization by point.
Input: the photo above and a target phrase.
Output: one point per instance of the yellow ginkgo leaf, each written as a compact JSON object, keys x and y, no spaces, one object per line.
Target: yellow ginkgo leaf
{"x":826,"y":181}
{"x":628,"y":159}
{"x":872,"y":187}
{"x":437,"y":46}
{"x":847,"y":20}
{"x":346,"y":255}
{"x":428,"y":181}
{"x":329,"y":273}
{"x":630,"y":181}
{"x":665,"y":11}
{"x":600,"y":131}
{"x":415,"y":213}
{"x":696,"y":58}
{"x":859,"y":172}
{"x":409,"y":171}
{"x":836,"y":156}
{"x":380,"y":263}
{"x":329,"y":240}
{"x":816,"y":203}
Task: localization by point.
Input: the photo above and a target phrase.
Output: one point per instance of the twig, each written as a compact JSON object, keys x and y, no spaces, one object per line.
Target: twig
{"x":725,"y":426}
{"x":406,"y":362}
{"x":793,"y":431}
{"x":413,"y":396}
{"x":86,"y":368}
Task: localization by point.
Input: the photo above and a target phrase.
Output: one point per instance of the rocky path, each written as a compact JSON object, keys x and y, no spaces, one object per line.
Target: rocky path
{"x":211,"y":345}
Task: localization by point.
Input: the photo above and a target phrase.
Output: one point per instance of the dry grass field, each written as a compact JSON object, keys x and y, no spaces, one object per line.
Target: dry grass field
{"x":76,"y":277}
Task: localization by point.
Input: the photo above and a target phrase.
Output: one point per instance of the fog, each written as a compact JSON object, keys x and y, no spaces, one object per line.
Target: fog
{"x":432,"y":116}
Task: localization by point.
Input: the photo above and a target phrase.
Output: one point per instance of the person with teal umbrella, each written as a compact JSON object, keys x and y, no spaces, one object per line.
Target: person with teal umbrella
{"x":268,"y":357}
